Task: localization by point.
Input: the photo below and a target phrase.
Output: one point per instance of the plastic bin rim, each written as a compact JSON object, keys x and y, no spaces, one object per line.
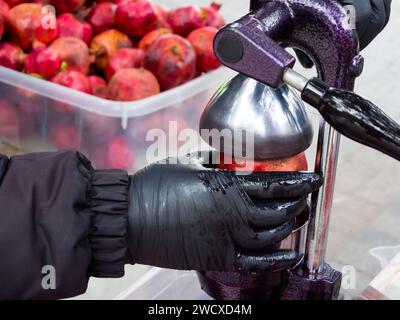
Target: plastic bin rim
{"x":108,"y":107}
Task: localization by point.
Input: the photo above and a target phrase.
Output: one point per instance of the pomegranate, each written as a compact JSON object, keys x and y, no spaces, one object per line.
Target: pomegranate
{"x":102,"y":17}
{"x":98,"y":129}
{"x":23,"y":20}
{"x":202,"y":41}
{"x":30,"y":112}
{"x":63,"y":6}
{"x":44,"y":36}
{"x":70,"y":26}
{"x":184,"y":20}
{"x":212,"y":16}
{"x":124,"y":59}
{"x":65,"y":137}
{"x":295,"y":163}
{"x":119,"y":154}
{"x":4,"y":8}
{"x":152,"y":36}
{"x":9,"y":120}
{"x":13,"y":3}
{"x":172,"y":59}
{"x":47,"y":31}
{"x":136,"y":18}
{"x":11,"y":56}
{"x":74,"y":80}
{"x":74,"y":52}
{"x":98,"y":87}
{"x":117,"y":2}
{"x":132,"y":84}
{"x":162,"y":15}
{"x":1,"y":27}
{"x":105,"y":44}
{"x":43,"y":62}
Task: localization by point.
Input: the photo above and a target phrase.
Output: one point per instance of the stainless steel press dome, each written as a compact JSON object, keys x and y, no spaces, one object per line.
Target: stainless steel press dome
{"x":277,"y":117}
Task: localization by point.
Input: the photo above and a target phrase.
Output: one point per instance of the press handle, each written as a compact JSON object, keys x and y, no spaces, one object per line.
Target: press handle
{"x":354,"y":117}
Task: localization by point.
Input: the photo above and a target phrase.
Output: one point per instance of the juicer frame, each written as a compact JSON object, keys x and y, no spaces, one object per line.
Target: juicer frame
{"x":321,"y":29}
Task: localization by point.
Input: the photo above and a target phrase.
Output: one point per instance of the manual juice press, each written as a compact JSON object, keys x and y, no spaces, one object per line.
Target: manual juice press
{"x":263,"y":98}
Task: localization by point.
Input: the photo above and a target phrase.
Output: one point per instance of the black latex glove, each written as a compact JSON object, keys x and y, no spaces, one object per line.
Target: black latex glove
{"x":190,"y":217}
{"x":372,"y":16}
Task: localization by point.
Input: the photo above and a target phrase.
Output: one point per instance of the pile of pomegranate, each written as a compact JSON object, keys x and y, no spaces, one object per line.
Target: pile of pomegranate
{"x":122,"y":50}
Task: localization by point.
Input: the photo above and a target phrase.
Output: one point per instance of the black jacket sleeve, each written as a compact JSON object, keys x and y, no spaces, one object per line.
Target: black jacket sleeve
{"x":59,"y":220}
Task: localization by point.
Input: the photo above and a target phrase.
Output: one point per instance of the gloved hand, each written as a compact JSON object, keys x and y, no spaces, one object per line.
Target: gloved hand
{"x":190,"y":217}
{"x":372,"y":16}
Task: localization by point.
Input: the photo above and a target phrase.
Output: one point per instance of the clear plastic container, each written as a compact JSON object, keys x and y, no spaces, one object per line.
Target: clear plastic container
{"x":37,"y":115}
{"x":41,"y":116}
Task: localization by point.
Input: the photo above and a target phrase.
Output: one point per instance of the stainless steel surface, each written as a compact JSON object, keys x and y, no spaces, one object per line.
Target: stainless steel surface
{"x":296,"y":240}
{"x":318,"y":227}
{"x":277,"y":118}
{"x":295,"y":79}
{"x":326,"y":165}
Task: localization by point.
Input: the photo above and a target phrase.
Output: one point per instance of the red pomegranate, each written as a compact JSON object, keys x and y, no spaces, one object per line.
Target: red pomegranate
{"x":124,"y":58}
{"x":44,"y":36}
{"x":105,"y":44}
{"x":162,"y":15}
{"x":132,"y":85}
{"x":295,"y":163}
{"x":202,"y":41}
{"x":74,"y":52}
{"x":152,"y":36}
{"x":136,"y":18}
{"x":22,"y":21}
{"x":11,"y":56}
{"x":212,"y":16}
{"x":98,"y":87}
{"x":47,"y":31}
{"x":172,"y":59}
{"x":1,"y":27}
{"x":70,"y":26}
{"x":73,"y":80}
{"x":119,"y":154}
{"x":98,"y":129}
{"x":102,"y":17}
{"x":9,"y":121}
{"x":65,"y":137}
{"x":117,"y":2}
{"x":43,"y":62}
{"x":4,"y":8}
{"x":63,"y":6}
{"x":13,"y":3}
{"x":184,"y":20}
